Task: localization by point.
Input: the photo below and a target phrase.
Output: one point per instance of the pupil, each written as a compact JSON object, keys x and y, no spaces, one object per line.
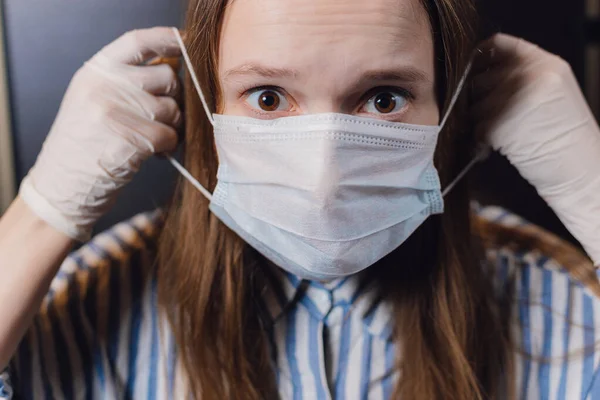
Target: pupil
{"x":385,"y":103}
{"x":269,"y":101}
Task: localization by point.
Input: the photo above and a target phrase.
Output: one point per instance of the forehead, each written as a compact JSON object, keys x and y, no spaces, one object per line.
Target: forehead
{"x":327,"y":36}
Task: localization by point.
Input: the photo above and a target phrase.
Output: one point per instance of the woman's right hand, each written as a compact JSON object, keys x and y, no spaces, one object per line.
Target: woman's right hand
{"x":116,"y":113}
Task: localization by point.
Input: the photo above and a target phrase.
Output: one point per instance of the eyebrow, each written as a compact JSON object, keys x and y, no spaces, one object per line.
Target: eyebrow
{"x":257,"y":69}
{"x":407,"y":74}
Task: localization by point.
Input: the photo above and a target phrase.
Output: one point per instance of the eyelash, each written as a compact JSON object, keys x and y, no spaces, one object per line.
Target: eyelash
{"x":383,"y":89}
{"x":246,"y":91}
{"x":407,"y":94}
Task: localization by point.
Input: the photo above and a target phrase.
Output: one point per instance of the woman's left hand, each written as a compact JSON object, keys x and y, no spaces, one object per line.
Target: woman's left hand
{"x":529,"y":107}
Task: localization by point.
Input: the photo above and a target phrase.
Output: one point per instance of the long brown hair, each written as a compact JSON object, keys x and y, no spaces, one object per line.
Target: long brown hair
{"x":451,"y":337}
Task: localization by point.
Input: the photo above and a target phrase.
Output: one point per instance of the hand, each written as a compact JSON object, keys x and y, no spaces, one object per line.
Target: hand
{"x":115,"y":114}
{"x":530,"y":108}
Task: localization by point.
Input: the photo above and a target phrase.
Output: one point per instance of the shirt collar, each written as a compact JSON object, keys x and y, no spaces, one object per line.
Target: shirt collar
{"x":355,"y":293}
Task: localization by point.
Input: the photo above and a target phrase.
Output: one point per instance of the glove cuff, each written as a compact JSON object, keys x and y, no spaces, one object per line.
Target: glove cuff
{"x":44,"y":210}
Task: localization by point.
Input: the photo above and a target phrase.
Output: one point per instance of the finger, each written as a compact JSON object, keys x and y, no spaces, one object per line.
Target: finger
{"x":157,"y":108}
{"x":173,"y":62}
{"x":147,"y":135}
{"x":485,"y":56}
{"x":501,"y":43}
{"x":159,"y":80}
{"x":163,"y":137}
{"x":136,"y":47}
{"x":483,"y":60}
{"x":505,"y":47}
{"x":507,"y":73}
{"x":167,"y":111}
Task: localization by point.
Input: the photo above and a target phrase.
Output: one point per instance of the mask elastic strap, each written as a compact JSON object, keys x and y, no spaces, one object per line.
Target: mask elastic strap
{"x":457,"y":92}
{"x":190,"y":67}
{"x":172,"y":160}
{"x":190,"y":178}
{"x":482,"y":153}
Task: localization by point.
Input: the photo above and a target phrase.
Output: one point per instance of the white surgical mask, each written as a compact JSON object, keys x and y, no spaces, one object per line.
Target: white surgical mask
{"x":327,"y":195}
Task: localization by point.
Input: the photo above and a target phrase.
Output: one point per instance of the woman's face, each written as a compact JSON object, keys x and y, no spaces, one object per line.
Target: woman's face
{"x":370,"y":58}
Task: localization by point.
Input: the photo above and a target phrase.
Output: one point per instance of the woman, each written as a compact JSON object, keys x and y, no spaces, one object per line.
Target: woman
{"x":297,"y":313}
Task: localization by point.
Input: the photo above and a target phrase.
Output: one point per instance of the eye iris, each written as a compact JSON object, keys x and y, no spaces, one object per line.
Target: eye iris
{"x":269,"y":100}
{"x":385,"y":103}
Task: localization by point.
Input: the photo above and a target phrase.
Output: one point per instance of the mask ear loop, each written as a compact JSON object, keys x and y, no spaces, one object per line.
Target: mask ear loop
{"x":186,"y":174}
{"x":483,"y":151}
{"x":190,"y":178}
{"x":190,"y":67}
{"x":457,"y":92}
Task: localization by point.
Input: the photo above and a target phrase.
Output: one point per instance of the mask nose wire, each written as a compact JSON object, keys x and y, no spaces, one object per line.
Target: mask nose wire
{"x":186,"y":174}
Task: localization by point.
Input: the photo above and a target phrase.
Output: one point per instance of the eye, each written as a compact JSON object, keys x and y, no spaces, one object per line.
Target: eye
{"x":386,"y":102}
{"x":267,"y":100}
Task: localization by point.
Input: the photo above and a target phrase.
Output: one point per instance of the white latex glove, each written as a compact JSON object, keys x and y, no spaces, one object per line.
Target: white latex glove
{"x":530,"y":108}
{"x":115,"y":114}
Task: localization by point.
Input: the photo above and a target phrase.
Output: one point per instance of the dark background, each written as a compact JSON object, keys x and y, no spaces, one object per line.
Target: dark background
{"x":48,"y":40}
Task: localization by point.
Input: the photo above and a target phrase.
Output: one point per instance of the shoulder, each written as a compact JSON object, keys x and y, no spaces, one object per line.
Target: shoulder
{"x":123,"y":255}
{"x":551,"y":288}
{"x":102,"y":291}
{"x":518,"y":250}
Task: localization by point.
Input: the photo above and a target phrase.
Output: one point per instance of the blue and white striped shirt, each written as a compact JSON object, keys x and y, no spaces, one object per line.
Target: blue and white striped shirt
{"x":99,"y":334}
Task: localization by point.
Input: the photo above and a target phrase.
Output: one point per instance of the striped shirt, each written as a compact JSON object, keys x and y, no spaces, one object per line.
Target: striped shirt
{"x":99,"y":335}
